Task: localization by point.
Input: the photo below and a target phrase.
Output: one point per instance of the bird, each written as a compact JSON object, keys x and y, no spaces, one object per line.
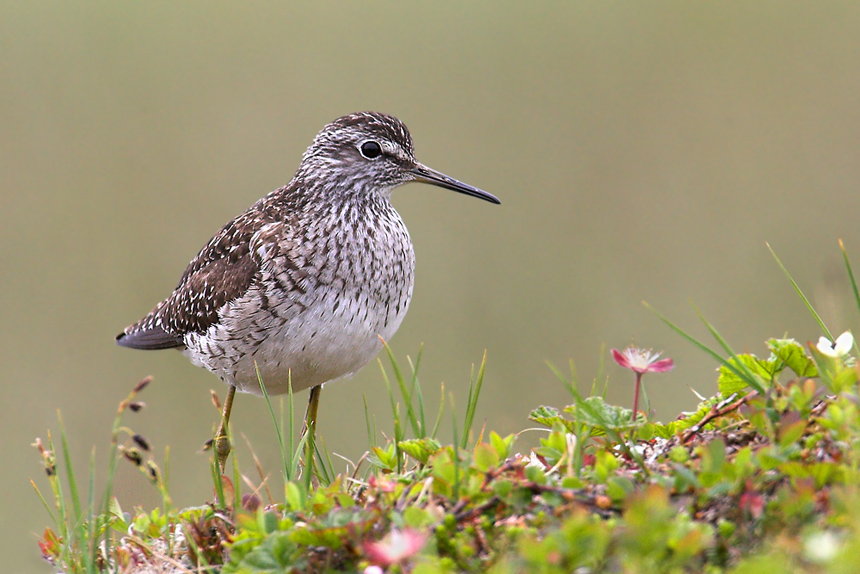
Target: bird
{"x":304,"y":286}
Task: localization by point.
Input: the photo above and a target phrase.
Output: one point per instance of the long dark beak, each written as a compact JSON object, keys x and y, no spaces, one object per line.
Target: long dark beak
{"x":424,"y":174}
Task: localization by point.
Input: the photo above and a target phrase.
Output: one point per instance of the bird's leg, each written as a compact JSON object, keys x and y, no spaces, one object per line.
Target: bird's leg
{"x":311,"y":426}
{"x":222,"y":443}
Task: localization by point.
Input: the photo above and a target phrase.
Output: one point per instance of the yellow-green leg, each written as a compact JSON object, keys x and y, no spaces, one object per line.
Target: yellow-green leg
{"x":311,"y":426}
{"x":222,"y":442}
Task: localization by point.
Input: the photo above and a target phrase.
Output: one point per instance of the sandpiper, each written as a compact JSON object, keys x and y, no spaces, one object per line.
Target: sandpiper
{"x":303,"y":285}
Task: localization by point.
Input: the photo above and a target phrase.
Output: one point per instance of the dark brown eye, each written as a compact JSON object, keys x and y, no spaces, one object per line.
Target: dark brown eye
{"x":371,"y":150}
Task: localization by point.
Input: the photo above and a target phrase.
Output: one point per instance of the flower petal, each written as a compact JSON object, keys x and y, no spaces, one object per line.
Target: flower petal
{"x":396,"y":547}
{"x":826,"y":347}
{"x":661,"y":366}
{"x":621,"y":359}
{"x":844,"y":343}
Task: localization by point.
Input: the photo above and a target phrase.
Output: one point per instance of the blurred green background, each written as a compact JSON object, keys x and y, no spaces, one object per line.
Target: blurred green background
{"x":642,"y":151}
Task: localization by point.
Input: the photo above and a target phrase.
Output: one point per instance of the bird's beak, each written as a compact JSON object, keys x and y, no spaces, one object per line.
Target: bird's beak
{"x":424,"y":174}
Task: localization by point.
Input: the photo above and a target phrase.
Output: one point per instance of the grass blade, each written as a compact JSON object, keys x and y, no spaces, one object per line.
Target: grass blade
{"x":324,"y":468}
{"x":70,"y":473}
{"x":472,"y":404}
{"x":455,"y":451}
{"x":806,"y":302}
{"x":439,"y":415}
{"x":415,"y":390}
{"x":44,"y":502}
{"x":737,"y":367}
{"x":278,"y":430}
{"x":850,"y":276}
{"x":401,"y":382}
{"x":371,"y":437}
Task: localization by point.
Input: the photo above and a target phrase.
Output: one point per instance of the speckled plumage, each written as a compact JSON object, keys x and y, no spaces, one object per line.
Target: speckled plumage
{"x":304,"y":282}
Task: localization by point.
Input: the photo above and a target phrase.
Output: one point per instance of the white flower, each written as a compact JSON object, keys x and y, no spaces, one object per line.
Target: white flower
{"x":821,"y":547}
{"x":533,"y":460}
{"x":842,"y":347}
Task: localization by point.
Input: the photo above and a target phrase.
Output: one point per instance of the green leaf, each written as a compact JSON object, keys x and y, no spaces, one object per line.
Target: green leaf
{"x":416,"y":517}
{"x":618,"y":487}
{"x":730,"y":382}
{"x":792,"y":354}
{"x":485,"y":457}
{"x":268,"y":521}
{"x":791,"y":433}
{"x":420,"y":448}
{"x":596,"y":412}
{"x":536,"y":474}
{"x":293,"y":496}
{"x":550,"y":416}
{"x":502,"y":445}
{"x":844,"y":380}
{"x":384,"y":457}
{"x":826,"y":473}
{"x":714,"y":456}
{"x":679,"y":454}
{"x":685,"y":478}
{"x":502,"y":488}
{"x":116,"y":511}
{"x":651,"y":430}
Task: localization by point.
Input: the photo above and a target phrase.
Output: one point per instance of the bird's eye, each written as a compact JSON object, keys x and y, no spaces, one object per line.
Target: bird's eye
{"x":371,"y":150}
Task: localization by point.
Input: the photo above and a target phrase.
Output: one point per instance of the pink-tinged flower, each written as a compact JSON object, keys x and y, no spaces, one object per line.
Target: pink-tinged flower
{"x":396,"y":547}
{"x":642,"y":360}
{"x":752,"y":501}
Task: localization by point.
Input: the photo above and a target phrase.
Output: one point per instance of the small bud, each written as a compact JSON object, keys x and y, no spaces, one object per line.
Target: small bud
{"x":251,"y":502}
{"x":47,"y":456}
{"x":154,"y":473}
{"x":133,"y":455}
{"x":136,"y":406}
{"x":142,"y":384}
{"x":141,"y":442}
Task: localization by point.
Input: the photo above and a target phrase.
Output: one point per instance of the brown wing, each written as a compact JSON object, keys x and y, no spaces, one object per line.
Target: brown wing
{"x":221,"y":272}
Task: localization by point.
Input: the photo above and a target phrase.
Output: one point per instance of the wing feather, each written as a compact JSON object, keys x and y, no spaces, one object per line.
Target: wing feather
{"x":223,"y":271}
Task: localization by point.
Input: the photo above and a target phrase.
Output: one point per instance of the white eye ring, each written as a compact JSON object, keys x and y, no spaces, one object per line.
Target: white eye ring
{"x":370,"y":149}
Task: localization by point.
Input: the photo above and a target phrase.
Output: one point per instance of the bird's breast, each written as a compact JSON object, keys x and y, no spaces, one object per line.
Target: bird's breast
{"x":318,"y":309}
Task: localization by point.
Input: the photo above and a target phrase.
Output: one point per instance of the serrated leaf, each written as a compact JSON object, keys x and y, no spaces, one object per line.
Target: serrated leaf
{"x":597,"y":413}
{"x":730,"y":382}
{"x":793,"y":355}
{"x":651,"y":430}
{"x":550,"y":416}
{"x":421,"y":449}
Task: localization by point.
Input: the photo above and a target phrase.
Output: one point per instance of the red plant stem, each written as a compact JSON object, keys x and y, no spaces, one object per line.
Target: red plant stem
{"x":636,"y":395}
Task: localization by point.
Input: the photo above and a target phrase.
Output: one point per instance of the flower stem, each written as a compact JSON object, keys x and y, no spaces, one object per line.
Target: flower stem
{"x":636,"y":395}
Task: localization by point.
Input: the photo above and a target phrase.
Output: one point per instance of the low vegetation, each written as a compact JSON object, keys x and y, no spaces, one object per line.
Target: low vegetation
{"x":761,"y":477}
